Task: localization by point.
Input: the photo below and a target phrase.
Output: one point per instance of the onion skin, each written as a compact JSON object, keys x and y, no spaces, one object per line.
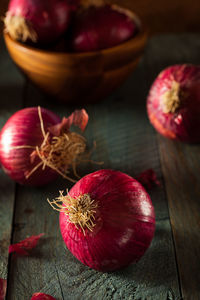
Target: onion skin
{"x":96,"y":28}
{"x":23,"y":128}
{"x":184,"y":123}
{"x":25,"y":246}
{"x":48,"y":18}
{"x":3,"y":288}
{"x":125,"y":221}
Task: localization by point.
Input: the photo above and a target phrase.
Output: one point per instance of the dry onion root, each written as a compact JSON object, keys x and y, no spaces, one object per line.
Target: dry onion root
{"x":81,"y":210}
{"x":19,"y":29}
{"x":59,"y":152}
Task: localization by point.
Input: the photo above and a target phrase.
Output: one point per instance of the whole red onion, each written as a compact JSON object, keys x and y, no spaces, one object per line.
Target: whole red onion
{"x":101,"y":27}
{"x":173,"y":103}
{"x":24,"y":129}
{"x":36,"y":146}
{"x":107,"y":220}
{"x":42,"y":21}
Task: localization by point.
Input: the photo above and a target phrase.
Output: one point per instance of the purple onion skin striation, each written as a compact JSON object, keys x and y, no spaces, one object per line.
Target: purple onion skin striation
{"x":48,"y":18}
{"x":24,"y":128}
{"x":99,"y":28}
{"x":184,"y":123}
{"x":125,"y":221}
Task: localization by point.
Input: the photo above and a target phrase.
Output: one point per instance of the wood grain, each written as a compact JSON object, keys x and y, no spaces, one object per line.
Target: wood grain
{"x":181,"y":165}
{"x":11,"y":85}
{"x":37,"y":273}
{"x":125,"y":141}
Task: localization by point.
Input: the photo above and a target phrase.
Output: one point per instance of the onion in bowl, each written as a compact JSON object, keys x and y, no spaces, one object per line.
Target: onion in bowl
{"x":97,"y":27}
{"x":38,"y":21}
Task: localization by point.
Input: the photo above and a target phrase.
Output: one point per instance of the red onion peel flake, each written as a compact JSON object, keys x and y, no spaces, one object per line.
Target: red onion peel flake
{"x":148,"y":179}
{"x":3,"y":287}
{"x":23,"y":247}
{"x":78,"y":118}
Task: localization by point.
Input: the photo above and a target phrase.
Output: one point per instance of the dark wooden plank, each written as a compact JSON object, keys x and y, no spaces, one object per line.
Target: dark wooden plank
{"x":38,"y":272}
{"x":125,"y":141}
{"x":11,"y":90}
{"x":181,"y":165}
{"x":33,"y":215}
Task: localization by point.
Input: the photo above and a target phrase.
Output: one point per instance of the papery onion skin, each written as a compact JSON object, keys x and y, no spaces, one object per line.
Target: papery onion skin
{"x":24,"y":128}
{"x":125,"y":221}
{"x":184,"y":123}
{"x":3,"y":287}
{"x":96,"y":28}
{"x":23,"y":247}
{"x":48,"y":18}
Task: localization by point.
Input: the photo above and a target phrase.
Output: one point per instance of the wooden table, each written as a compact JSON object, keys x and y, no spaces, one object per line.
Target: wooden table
{"x":126,"y":141}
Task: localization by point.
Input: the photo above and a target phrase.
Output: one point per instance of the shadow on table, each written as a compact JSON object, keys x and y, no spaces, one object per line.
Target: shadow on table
{"x":11,"y":98}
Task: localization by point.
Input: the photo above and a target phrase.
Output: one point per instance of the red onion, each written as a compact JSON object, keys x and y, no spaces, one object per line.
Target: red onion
{"x":100,"y":27}
{"x":42,"y":296}
{"x":107,"y":220}
{"x":173,"y":104}
{"x":42,"y":21}
{"x":36,"y":146}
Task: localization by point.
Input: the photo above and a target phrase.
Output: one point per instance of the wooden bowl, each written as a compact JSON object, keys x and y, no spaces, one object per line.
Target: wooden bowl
{"x":78,"y":77}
